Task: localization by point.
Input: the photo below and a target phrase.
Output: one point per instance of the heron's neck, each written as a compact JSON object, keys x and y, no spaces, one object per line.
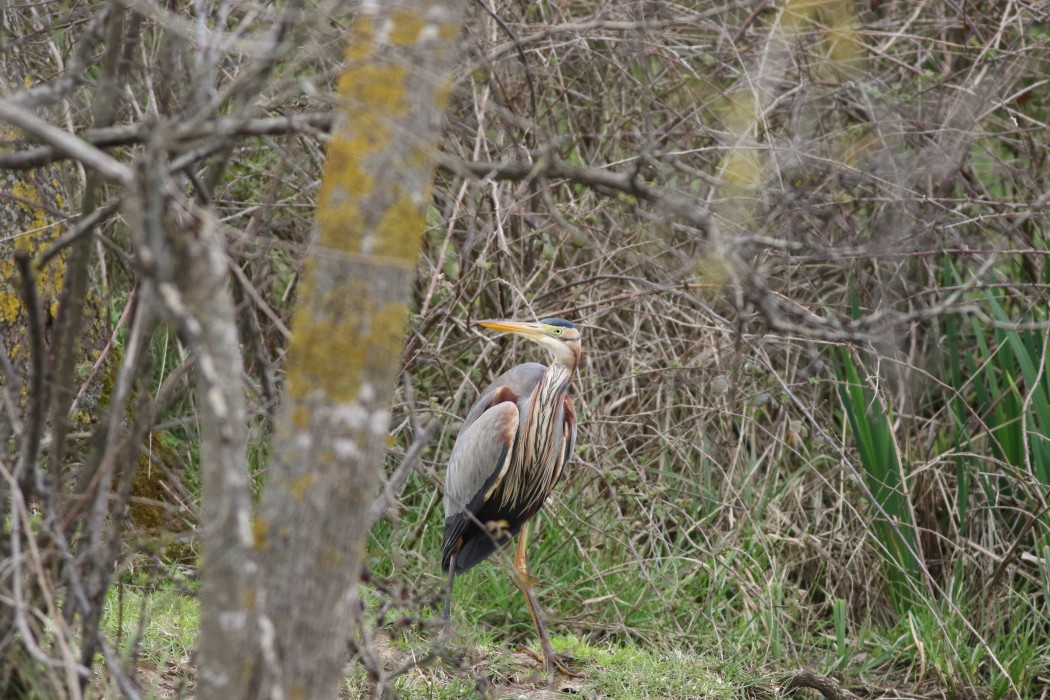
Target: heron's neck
{"x":549,"y":393}
{"x":568,"y":360}
{"x":568,"y":367}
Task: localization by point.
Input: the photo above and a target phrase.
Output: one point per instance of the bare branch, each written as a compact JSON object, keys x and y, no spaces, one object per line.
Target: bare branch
{"x":130,"y":134}
{"x":66,"y":143}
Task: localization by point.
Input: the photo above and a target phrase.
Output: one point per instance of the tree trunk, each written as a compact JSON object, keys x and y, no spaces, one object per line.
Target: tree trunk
{"x":229,"y":620}
{"x":347,"y":334}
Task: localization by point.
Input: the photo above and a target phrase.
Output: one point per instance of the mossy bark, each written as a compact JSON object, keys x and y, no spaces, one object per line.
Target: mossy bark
{"x":347,"y":334}
{"x":229,"y":629}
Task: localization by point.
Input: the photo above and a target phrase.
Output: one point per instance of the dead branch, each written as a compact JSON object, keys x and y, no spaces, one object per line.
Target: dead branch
{"x":825,"y":685}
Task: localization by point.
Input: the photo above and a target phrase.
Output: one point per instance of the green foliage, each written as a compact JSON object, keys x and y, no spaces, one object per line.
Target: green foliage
{"x":938,"y":645}
{"x":1005,"y":394}
{"x":842,"y":651}
{"x":159,"y":623}
{"x":885,"y":473}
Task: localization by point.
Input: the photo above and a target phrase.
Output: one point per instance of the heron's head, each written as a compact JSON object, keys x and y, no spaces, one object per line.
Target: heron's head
{"x":560,"y":337}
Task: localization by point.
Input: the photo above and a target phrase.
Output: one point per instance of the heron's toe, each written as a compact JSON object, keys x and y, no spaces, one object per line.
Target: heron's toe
{"x":560,"y":663}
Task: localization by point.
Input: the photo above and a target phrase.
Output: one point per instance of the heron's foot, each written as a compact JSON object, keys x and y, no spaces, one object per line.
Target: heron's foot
{"x":552,"y":661}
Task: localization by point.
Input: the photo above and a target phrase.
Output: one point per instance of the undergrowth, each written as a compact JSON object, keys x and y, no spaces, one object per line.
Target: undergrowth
{"x":814,"y":402}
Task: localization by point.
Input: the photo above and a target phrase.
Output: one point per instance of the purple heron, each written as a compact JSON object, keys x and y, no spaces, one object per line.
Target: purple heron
{"x":510,"y":453}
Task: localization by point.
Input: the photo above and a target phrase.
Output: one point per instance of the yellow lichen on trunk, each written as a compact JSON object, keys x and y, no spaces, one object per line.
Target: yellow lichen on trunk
{"x":348,"y":330}
{"x":333,"y":341}
{"x":28,"y":229}
{"x":26,"y":199}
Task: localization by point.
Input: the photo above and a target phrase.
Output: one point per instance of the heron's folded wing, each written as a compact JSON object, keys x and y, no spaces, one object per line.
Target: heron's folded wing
{"x":479,"y":461}
{"x":480,"y":457}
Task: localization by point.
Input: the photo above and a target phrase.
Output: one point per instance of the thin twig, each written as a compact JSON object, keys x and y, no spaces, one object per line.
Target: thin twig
{"x":84,"y":226}
{"x":825,"y":685}
{"x":132,"y":134}
{"x":28,"y":473}
{"x":393,"y":485}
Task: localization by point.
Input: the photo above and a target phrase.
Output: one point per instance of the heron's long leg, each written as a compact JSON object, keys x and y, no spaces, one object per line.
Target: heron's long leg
{"x":448,"y":593}
{"x":520,"y":565}
{"x":524,"y":581}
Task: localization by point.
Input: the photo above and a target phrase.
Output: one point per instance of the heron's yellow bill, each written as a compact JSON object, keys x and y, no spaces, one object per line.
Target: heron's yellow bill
{"x":520,"y":327}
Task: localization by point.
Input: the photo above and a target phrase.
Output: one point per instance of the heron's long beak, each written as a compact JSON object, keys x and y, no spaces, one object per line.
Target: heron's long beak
{"x":529,"y":330}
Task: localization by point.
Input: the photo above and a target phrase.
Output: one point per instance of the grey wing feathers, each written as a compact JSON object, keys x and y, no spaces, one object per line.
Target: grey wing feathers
{"x":481,"y":453}
{"x":520,"y":380}
{"x":481,"y":458}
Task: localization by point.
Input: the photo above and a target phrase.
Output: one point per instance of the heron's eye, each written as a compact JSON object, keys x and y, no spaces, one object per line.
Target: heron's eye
{"x":555,"y":330}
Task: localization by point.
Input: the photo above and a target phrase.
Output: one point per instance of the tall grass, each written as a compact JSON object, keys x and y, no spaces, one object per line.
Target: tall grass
{"x":1005,"y":398}
{"x":886,"y":474}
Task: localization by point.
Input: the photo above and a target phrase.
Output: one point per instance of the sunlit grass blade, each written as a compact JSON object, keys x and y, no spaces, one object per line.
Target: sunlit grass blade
{"x":838,"y":614}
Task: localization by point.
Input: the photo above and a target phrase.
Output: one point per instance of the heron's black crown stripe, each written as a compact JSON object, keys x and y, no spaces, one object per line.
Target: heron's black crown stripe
{"x":558,"y":322}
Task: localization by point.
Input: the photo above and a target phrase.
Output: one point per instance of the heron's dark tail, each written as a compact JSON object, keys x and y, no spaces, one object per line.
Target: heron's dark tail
{"x":455,"y":530}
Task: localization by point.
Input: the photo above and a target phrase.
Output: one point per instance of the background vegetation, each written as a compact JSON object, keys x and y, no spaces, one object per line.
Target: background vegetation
{"x":807,"y":246}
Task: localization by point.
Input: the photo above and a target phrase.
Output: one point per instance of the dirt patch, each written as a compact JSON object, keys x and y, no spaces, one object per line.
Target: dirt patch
{"x":165,"y":681}
{"x":497,"y":674}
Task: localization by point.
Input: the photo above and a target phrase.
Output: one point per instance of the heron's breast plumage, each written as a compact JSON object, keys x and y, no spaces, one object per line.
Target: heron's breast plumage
{"x":538,"y":455}
{"x":508,"y":458}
